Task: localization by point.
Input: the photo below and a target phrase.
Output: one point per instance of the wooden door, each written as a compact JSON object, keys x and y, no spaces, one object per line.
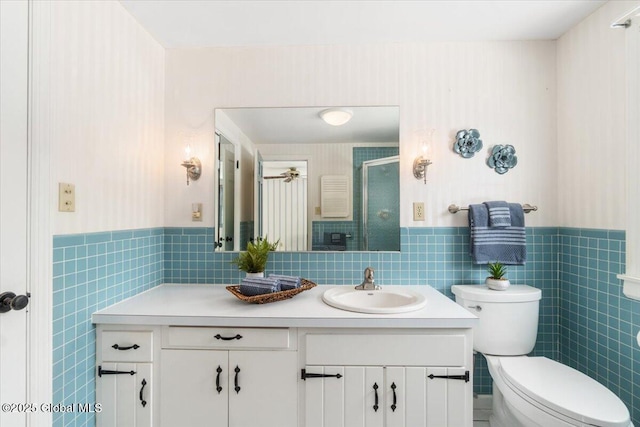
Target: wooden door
{"x":14,"y":51}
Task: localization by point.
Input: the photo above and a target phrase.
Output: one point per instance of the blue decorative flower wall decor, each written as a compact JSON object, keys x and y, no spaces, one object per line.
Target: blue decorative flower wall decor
{"x":467,"y":143}
{"x":503,"y":158}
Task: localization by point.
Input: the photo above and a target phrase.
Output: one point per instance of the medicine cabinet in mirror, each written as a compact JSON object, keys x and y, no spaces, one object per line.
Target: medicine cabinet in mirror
{"x":289,"y":175}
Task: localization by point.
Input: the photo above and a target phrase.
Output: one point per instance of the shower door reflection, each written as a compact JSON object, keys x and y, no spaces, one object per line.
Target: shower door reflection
{"x":380,"y":201}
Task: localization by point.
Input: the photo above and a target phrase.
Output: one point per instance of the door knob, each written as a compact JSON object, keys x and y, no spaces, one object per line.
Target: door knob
{"x":10,"y":301}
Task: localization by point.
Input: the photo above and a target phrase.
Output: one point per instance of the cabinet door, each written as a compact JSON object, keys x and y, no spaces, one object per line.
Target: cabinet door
{"x":448,"y":400}
{"x":263,"y":389}
{"x":126,"y":399}
{"x":407,"y":397}
{"x":194,"y":388}
{"x":354,"y":399}
{"x":402,"y":397}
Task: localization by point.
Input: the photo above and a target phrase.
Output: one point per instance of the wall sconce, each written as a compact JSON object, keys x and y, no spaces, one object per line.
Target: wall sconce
{"x":421,"y":162}
{"x":192,"y":164}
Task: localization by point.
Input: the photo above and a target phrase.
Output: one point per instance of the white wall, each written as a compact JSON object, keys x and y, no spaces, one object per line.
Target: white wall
{"x":591,"y":121}
{"x":106,"y":109}
{"x":507,"y":90}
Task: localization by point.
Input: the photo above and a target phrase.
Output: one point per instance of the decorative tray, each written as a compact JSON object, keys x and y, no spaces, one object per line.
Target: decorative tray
{"x":272,"y":297}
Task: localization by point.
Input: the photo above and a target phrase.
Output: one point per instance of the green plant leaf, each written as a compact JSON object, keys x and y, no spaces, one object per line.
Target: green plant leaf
{"x":497,"y":270}
{"x":254,"y":259}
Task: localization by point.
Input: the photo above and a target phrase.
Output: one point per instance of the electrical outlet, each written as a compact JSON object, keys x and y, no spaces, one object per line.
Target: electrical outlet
{"x":66,"y":197}
{"x":418,"y":211}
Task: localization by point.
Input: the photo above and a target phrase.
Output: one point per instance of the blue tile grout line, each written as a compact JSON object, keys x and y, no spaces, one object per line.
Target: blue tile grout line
{"x":582,"y":310}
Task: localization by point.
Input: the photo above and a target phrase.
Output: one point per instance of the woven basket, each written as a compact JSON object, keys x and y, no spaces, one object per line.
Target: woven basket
{"x":272,"y":297}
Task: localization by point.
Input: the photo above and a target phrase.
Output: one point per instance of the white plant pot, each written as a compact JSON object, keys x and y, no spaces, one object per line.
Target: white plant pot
{"x":497,"y":284}
{"x":260,"y":274}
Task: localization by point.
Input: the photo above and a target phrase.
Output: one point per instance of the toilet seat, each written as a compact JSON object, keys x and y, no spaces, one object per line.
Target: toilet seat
{"x":550,"y":385}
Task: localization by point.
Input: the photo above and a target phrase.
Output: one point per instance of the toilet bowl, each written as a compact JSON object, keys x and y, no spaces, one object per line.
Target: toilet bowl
{"x":532,"y":391}
{"x":536,"y":391}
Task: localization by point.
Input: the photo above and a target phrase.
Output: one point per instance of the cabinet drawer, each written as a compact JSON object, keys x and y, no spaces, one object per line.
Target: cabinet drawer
{"x":127,"y":346}
{"x":386,"y":349}
{"x":225,"y":338}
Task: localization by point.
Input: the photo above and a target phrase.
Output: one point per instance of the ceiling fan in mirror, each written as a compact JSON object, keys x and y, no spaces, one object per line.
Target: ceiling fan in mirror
{"x":288,"y":175}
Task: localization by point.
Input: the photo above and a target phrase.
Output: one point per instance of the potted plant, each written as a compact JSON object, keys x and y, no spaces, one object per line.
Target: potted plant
{"x":254,"y":260}
{"x":496,"y":280}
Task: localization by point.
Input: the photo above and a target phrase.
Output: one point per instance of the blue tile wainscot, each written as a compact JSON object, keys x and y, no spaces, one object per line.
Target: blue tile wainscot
{"x":585,"y":321}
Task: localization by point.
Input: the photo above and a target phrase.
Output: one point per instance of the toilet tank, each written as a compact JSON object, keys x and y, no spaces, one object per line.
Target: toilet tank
{"x":508,"y":323}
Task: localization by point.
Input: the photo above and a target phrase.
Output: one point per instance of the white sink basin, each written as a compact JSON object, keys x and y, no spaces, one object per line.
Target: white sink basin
{"x":385,"y":300}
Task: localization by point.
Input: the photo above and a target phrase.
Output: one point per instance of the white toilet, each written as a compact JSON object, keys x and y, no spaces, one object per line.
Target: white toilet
{"x":532,"y":391}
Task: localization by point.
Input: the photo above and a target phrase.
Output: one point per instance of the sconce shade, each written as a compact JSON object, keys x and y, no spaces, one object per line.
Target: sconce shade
{"x":336,"y":116}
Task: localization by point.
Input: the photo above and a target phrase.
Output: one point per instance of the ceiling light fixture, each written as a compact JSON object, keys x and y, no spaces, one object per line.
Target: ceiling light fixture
{"x":336,"y":116}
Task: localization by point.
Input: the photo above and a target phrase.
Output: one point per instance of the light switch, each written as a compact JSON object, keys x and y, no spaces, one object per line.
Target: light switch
{"x":66,"y":197}
{"x":196,"y":211}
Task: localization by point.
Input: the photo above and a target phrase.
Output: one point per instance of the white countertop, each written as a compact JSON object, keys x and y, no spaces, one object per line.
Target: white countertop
{"x":213,"y":305}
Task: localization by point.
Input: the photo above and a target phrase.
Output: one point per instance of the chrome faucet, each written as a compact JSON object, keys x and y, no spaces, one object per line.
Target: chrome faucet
{"x":368,"y":282}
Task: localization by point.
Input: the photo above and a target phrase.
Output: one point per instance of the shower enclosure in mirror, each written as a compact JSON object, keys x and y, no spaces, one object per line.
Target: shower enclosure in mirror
{"x":380,"y":201}
{"x":299,"y":179}
{"x":226,"y":224}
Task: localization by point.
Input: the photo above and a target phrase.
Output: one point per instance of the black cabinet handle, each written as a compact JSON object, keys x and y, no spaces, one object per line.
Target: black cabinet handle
{"x":395,"y":400}
{"x":134,"y":347}
{"x":220,"y":337}
{"x":304,"y":375}
{"x":464,"y":377}
{"x":235,"y":380}
{"x":375,"y":403}
{"x":219,"y":371}
{"x":142,"y":401}
{"x":102,"y":372}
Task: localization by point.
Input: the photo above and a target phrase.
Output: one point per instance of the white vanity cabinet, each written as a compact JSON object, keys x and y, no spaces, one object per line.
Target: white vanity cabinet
{"x":201,"y":358}
{"x":387,"y":379}
{"x":124,"y":377}
{"x":236,"y":377}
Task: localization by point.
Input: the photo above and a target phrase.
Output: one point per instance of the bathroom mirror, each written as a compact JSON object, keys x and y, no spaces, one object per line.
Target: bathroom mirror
{"x":313,"y":185}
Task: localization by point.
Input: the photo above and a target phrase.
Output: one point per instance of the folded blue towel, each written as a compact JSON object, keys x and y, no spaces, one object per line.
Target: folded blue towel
{"x":258,"y":285}
{"x":287,"y":282}
{"x":499,"y":215}
{"x":503,"y":244}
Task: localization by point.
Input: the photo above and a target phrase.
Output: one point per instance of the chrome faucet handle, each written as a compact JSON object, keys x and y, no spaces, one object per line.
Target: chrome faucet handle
{"x":368,"y":282}
{"x":368,"y":275}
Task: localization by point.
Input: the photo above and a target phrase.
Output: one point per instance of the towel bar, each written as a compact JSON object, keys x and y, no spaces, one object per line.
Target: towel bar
{"x":525,"y":207}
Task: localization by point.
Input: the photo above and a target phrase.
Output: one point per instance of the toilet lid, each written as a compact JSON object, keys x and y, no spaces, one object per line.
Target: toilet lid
{"x":565,"y":390}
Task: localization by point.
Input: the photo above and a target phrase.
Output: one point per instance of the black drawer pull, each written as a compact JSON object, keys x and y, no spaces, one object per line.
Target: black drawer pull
{"x":464,"y":377}
{"x":102,"y":372}
{"x":235,"y":380}
{"x":395,"y":400}
{"x":375,"y":404}
{"x":220,"y":337}
{"x":142,"y":401}
{"x":134,"y":347}
{"x":219,"y":371}
{"x":304,"y":375}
